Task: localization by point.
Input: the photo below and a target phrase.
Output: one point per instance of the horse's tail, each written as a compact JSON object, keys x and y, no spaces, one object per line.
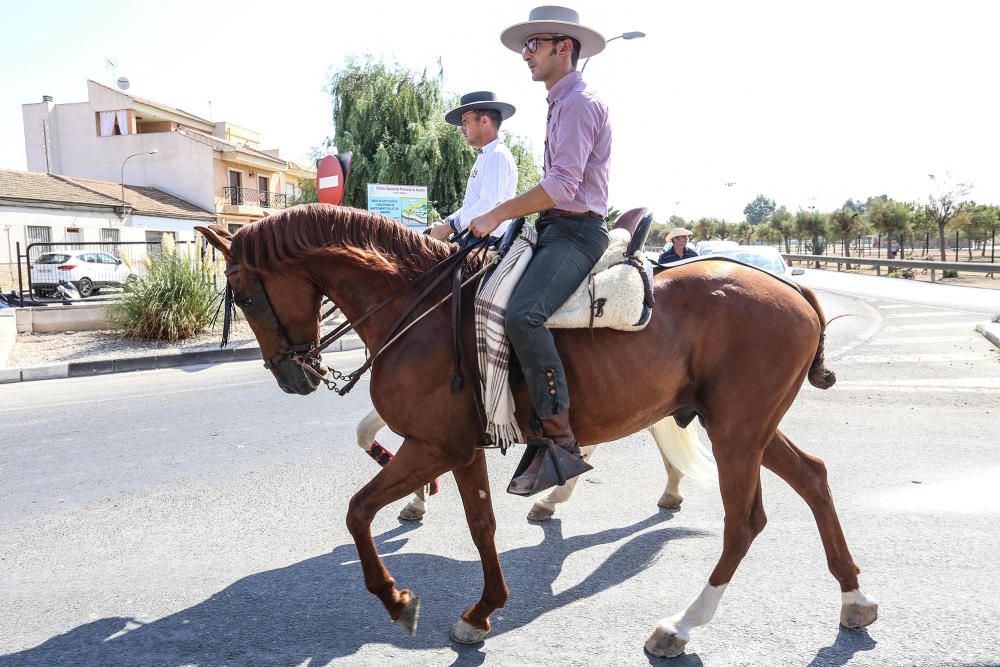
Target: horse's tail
{"x":682,"y":448}
{"x":820,"y":376}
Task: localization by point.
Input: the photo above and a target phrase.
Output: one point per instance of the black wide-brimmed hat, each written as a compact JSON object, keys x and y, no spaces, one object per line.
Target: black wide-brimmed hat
{"x":481,"y":99}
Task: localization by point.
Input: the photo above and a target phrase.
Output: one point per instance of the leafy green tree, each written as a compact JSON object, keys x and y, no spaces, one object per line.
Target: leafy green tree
{"x":745,"y":233}
{"x":978,"y":222}
{"x":306,"y":194}
{"x":891,"y":218}
{"x":759,"y":210}
{"x":704,"y":228}
{"x":783,"y":223}
{"x":943,"y":207}
{"x":612,"y":217}
{"x":658,"y":234}
{"x":723,"y":230}
{"x":677,"y":221}
{"x":392,"y":118}
{"x":812,"y":225}
{"x":844,"y":222}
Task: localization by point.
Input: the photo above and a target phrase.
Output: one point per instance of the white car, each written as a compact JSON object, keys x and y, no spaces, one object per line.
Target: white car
{"x":761,"y":256}
{"x":88,"y":271}
{"x":711,"y":247}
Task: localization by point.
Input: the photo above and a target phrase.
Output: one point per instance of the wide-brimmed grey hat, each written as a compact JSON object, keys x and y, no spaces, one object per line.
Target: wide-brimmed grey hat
{"x":481,"y":99}
{"x":556,"y":20}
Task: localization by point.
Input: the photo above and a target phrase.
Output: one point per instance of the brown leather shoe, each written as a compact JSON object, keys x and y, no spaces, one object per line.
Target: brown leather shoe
{"x":549,"y":460}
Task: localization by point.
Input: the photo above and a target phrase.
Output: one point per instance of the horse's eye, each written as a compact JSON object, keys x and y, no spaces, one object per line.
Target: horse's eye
{"x":245,"y":303}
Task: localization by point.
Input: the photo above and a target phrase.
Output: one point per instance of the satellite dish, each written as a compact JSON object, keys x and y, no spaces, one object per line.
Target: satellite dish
{"x":123,"y":82}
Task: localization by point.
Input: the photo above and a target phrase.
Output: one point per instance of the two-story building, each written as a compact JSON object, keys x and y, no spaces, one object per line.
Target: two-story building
{"x":218,"y":167}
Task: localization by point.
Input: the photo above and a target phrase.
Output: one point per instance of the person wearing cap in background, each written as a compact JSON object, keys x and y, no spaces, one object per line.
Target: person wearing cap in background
{"x":572,"y":201}
{"x":678,"y":250}
{"x":494,"y":175}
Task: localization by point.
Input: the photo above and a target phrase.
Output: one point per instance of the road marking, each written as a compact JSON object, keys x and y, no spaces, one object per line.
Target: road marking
{"x":971,"y":326}
{"x":944,"y":383}
{"x":916,"y":358}
{"x":919,"y":339}
{"x":930,"y":313}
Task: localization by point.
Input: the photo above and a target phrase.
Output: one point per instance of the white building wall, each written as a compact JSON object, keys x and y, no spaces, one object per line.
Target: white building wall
{"x":182,"y":167}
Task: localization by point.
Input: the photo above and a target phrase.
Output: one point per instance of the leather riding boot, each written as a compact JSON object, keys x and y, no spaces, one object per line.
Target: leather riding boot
{"x":549,"y":460}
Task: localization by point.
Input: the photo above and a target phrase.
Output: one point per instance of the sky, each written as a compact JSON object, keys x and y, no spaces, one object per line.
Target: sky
{"x":808,"y":103}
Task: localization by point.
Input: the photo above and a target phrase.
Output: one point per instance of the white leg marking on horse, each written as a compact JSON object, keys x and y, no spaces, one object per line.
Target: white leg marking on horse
{"x":463,"y":633}
{"x":672,"y":634}
{"x":543,"y":509}
{"x":414,"y":510}
{"x":368,"y":428}
{"x":858,"y":609}
{"x":482,"y":494}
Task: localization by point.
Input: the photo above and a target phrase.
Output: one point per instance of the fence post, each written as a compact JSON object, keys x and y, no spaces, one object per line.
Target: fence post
{"x":956,"y":246}
{"x":20,"y":283}
{"x":933,"y":275}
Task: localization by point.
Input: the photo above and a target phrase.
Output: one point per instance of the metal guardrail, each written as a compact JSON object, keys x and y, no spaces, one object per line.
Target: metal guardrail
{"x":967,"y":267}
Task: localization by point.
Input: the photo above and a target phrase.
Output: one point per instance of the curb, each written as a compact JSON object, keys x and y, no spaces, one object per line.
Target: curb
{"x":75,"y":369}
{"x":991,"y":330}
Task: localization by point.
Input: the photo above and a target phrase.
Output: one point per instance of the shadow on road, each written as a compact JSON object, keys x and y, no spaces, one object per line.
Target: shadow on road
{"x":847,"y":643}
{"x":319,"y":609}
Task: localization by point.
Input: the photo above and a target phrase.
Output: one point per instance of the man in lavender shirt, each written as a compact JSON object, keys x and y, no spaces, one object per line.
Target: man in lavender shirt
{"x":572,"y":201}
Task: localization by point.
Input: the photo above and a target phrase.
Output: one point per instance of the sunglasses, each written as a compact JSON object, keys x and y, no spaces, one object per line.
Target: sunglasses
{"x":531,"y":46}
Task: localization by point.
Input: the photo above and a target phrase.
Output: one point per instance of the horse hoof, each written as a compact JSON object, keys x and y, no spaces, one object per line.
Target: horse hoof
{"x":540,"y":512}
{"x":664,"y":642}
{"x":463,"y":633}
{"x":858,"y":609}
{"x":409,"y":616}
{"x":413,"y":511}
{"x":670,"y":501}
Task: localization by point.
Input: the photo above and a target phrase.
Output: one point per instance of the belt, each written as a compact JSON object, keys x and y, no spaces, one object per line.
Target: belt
{"x":559,"y":213}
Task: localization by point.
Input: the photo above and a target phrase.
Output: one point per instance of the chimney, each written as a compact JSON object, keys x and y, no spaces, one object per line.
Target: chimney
{"x":47,"y":98}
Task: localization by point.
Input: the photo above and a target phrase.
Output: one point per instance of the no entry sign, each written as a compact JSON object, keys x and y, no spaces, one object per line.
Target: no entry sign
{"x":331,"y":177}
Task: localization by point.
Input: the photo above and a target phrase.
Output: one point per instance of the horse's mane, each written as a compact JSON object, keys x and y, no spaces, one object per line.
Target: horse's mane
{"x":315,"y":230}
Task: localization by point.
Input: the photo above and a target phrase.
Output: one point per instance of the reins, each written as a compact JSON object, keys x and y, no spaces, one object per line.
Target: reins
{"x":306,"y":355}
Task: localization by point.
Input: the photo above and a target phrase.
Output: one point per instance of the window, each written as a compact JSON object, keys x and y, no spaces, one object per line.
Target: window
{"x":153,"y":241}
{"x":110,"y":237}
{"x":38,"y":235}
{"x":289,"y":192}
{"x":262,"y":194}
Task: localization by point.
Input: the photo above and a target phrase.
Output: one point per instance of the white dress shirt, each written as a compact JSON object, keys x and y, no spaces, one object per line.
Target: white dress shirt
{"x":493,"y":181}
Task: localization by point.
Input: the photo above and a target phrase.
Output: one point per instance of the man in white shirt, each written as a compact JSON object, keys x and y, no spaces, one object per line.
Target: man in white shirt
{"x":494,"y":176}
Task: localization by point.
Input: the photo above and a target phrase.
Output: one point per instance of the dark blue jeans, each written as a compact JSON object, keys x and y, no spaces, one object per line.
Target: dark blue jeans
{"x":566,"y":252}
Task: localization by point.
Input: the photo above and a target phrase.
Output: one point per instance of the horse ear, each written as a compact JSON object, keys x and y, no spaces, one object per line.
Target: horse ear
{"x":219,"y":242}
{"x":221,"y":231}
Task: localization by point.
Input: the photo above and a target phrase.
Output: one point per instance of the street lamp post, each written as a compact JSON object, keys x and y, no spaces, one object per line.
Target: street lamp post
{"x":152,"y":152}
{"x":625,"y":35}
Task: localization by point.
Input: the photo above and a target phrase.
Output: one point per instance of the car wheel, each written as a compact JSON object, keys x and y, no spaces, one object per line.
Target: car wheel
{"x":85,"y":286}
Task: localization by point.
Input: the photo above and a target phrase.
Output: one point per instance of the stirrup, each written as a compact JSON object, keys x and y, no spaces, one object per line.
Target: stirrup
{"x":558,"y":465}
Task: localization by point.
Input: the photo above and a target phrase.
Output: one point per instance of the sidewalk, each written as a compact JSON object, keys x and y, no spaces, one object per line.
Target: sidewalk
{"x":147,"y":363}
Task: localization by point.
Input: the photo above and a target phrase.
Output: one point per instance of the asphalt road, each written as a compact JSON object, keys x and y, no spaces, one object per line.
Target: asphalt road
{"x":196,"y":516}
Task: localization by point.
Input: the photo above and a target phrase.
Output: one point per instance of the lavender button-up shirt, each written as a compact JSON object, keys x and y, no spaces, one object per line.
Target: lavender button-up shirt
{"x":577,"y":148}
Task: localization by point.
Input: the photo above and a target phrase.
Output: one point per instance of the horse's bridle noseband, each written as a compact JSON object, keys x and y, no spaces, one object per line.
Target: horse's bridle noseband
{"x":257,"y":304}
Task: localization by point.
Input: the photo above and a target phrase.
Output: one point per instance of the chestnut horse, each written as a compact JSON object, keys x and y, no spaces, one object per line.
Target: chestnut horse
{"x":727,"y":342}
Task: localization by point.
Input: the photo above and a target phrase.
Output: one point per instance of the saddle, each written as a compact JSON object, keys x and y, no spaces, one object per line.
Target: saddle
{"x":618,"y":293}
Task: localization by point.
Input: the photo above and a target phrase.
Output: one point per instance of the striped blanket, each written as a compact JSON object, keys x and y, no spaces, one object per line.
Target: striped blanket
{"x":492,"y":344}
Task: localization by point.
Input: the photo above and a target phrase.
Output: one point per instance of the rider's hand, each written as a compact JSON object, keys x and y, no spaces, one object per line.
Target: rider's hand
{"x":440,"y":231}
{"x":483,"y":224}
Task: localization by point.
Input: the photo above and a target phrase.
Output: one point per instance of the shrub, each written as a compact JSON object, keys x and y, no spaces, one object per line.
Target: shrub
{"x":948,"y":273}
{"x":176,"y":298}
{"x":907,"y":273}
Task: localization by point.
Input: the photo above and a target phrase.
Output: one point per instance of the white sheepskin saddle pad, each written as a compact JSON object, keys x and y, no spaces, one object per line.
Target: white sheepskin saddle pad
{"x":615,"y":295}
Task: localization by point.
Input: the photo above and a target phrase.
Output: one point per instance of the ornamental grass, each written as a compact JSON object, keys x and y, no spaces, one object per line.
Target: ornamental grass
{"x":176,"y":297}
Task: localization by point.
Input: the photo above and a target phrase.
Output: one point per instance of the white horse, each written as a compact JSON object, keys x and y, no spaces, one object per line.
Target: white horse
{"x":682,"y":453}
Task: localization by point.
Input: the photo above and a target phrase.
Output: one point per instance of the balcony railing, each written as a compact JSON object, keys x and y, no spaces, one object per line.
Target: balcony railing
{"x":250,"y":197}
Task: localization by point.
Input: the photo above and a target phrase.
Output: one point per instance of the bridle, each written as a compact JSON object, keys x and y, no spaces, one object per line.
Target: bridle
{"x":307,"y":356}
